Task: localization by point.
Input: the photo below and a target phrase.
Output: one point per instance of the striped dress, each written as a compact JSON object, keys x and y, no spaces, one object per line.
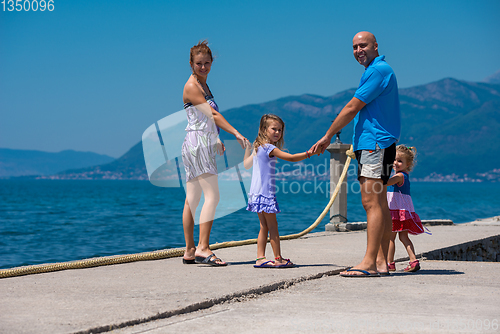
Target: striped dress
{"x":403,"y":214}
{"x":200,"y":144}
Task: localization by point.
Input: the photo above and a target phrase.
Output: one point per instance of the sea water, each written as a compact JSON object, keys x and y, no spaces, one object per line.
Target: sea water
{"x":46,"y":221}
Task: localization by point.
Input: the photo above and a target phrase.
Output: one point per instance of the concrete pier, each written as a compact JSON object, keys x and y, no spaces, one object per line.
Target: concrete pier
{"x":166,"y":296}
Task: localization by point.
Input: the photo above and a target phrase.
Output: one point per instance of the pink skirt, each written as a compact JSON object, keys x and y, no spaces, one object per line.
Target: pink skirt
{"x":403,"y":220}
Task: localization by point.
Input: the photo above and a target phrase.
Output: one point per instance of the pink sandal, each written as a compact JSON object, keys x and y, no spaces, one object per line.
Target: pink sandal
{"x":391,"y":266}
{"x":413,"y":267}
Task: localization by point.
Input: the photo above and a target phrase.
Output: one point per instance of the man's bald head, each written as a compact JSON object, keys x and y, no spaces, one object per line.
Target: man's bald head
{"x":366,"y":35}
{"x":365,"y":47}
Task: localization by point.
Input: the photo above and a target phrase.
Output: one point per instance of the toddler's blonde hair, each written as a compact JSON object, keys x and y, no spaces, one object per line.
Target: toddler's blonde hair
{"x":410,"y":153}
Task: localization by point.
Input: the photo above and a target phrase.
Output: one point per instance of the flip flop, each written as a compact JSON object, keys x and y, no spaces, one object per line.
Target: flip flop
{"x":384,"y":273}
{"x":265,"y":265}
{"x":210,"y":260}
{"x":185,"y":261}
{"x":364,"y":273}
{"x":288,"y":264}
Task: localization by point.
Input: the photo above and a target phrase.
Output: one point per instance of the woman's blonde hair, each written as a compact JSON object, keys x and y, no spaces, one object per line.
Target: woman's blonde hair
{"x":264,"y":124}
{"x":410,"y":154}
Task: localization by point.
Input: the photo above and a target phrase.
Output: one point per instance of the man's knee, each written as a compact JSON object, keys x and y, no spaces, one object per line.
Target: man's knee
{"x":372,"y":187}
{"x":373,"y":193}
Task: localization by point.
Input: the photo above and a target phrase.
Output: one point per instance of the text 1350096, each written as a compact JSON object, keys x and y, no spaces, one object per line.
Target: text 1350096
{"x":27,"y":5}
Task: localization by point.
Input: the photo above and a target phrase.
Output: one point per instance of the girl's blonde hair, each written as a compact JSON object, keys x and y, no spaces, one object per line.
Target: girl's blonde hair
{"x":264,"y":124}
{"x":410,"y":154}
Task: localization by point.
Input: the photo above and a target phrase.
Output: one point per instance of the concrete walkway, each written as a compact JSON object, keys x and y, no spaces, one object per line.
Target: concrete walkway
{"x":166,"y":296}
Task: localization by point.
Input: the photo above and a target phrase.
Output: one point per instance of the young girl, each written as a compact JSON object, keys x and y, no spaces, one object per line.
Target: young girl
{"x":262,"y":198}
{"x":404,"y":218}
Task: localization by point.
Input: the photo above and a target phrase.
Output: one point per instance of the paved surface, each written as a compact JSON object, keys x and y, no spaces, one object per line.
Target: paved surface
{"x":166,"y":296}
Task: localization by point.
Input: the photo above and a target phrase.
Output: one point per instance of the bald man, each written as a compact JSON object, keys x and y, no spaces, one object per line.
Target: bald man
{"x":377,"y":124}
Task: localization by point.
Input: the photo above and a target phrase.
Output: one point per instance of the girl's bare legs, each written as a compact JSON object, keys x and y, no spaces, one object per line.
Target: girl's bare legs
{"x":274,"y":236}
{"x":403,"y":236}
{"x":392,"y":248}
{"x":262,"y":240}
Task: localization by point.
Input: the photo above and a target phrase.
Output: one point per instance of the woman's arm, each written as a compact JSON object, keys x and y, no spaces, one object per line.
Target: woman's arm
{"x":193,"y":95}
{"x":224,"y":125}
{"x":398,"y":178}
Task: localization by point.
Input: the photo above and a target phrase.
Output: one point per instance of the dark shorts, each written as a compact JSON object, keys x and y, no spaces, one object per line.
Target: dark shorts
{"x":376,"y":164}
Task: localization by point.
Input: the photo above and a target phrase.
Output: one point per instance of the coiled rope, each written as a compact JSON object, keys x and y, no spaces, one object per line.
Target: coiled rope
{"x":166,"y":253}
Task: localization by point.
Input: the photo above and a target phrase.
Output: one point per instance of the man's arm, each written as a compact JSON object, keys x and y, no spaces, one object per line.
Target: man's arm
{"x":346,"y":115}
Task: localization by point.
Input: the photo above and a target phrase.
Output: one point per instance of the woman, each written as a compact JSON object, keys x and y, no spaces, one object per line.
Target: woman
{"x":198,"y":155}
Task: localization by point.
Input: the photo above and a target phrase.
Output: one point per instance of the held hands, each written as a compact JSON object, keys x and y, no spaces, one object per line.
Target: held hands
{"x":245,"y":144}
{"x":248,"y":145}
{"x":320,"y":146}
{"x":242,"y":140}
{"x":312,"y":152}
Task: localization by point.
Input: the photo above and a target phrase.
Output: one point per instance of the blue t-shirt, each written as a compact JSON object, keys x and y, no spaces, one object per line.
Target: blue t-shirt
{"x":379,"y":122}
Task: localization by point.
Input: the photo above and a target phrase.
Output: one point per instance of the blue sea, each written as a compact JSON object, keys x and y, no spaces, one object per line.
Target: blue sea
{"x":47,"y":221}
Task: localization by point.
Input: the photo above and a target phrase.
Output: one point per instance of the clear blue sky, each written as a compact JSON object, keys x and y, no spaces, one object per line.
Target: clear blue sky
{"x":93,"y":75}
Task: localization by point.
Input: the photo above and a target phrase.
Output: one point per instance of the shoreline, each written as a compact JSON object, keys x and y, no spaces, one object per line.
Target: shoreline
{"x":452,"y":178}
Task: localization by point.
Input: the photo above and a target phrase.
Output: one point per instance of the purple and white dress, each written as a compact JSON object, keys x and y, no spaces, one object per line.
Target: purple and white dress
{"x":200,"y":144}
{"x":262,"y":195}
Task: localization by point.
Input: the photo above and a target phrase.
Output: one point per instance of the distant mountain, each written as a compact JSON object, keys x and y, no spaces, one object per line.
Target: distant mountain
{"x":455,"y":126}
{"x":129,"y":166}
{"x":29,"y":162}
{"x":494,"y":79}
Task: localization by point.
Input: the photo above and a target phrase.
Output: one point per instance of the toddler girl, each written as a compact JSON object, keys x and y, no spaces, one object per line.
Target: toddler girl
{"x":404,"y":218}
{"x":262,"y":197}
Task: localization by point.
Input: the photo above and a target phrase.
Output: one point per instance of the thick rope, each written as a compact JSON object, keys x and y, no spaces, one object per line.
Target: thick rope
{"x":166,"y":253}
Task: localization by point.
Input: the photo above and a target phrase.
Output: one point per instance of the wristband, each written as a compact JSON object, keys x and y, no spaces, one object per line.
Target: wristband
{"x":307,"y":154}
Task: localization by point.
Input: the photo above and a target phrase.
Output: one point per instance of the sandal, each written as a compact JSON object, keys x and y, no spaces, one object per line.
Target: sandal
{"x":265,"y":264}
{"x":391,"y":266}
{"x":288,"y":263}
{"x":210,"y":260}
{"x":364,"y":273}
{"x":413,"y":267}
